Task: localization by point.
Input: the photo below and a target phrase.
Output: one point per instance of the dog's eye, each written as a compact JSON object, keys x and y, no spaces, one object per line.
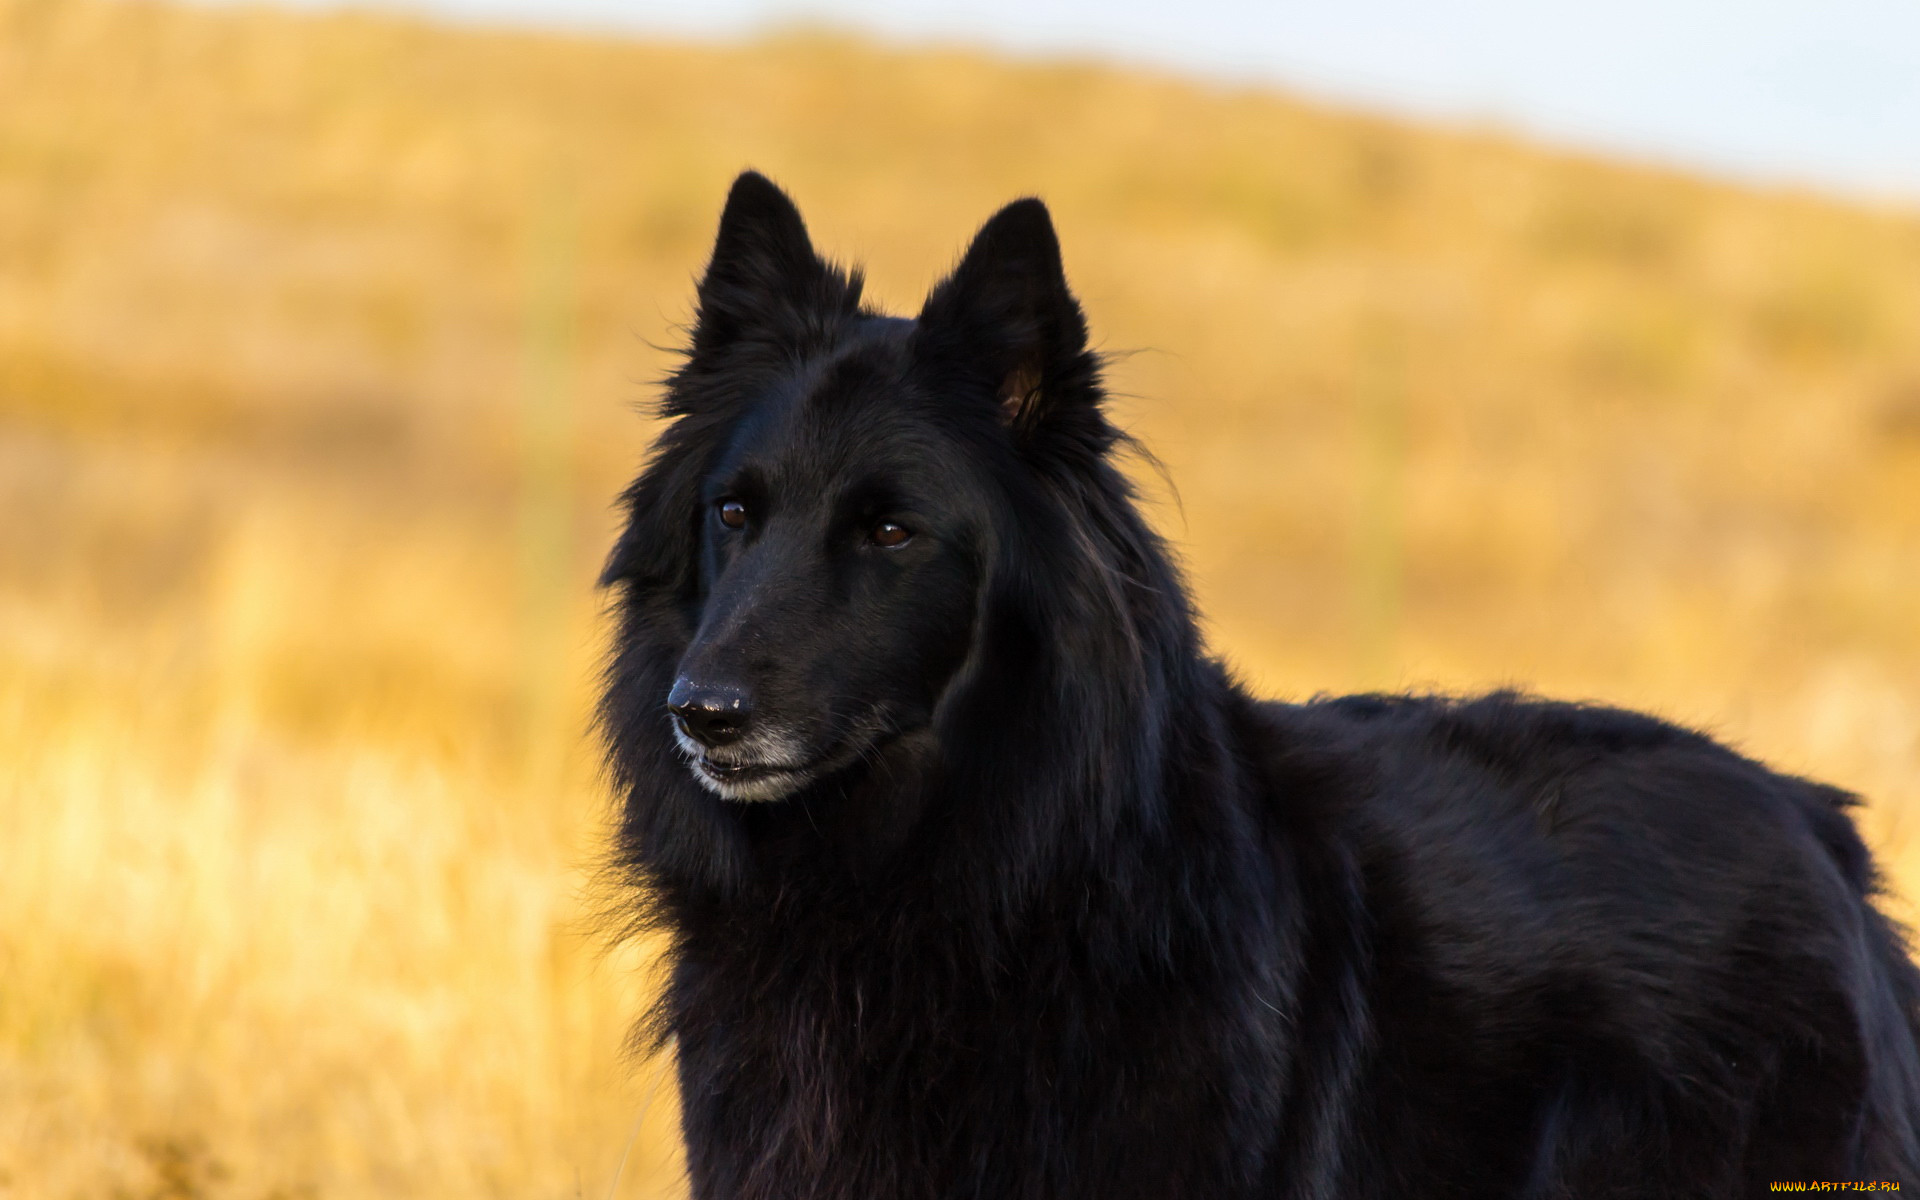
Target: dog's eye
{"x":888,"y":535}
{"x":733,"y":514}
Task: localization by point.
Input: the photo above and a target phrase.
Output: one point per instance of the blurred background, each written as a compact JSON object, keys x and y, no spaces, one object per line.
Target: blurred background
{"x":1482,"y":347}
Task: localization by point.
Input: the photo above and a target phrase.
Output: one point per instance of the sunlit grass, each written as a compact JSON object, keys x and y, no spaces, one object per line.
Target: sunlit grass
{"x":320,"y":346}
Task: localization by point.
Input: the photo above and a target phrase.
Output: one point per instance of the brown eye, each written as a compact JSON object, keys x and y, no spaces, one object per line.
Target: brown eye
{"x":733,"y":514}
{"x":888,"y":535}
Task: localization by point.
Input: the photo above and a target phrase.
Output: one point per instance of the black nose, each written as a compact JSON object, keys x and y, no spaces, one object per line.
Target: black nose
{"x":712,"y":716}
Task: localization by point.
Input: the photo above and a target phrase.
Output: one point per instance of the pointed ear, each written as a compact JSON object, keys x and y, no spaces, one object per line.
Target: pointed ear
{"x":1006,"y":319}
{"x":764,"y":280}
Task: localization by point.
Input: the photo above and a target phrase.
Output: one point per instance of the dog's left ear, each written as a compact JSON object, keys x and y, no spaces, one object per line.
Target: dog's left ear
{"x":764,"y":282}
{"x":1005,"y":321}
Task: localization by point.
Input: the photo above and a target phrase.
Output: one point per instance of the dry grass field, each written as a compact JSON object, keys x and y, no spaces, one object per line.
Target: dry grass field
{"x":323,"y":341}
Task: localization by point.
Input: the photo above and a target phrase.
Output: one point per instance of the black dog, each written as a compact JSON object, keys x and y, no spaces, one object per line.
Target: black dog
{"x":984,"y":881}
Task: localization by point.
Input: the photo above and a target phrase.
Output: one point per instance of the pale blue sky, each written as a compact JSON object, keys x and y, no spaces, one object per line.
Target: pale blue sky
{"x":1818,"y":91}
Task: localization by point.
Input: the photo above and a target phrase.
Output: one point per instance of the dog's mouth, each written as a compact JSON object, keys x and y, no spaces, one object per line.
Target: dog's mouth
{"x":749,"y":780}
{"x":782,"y":771}
{"x":758,"y":779}
{"x":737,"y":772}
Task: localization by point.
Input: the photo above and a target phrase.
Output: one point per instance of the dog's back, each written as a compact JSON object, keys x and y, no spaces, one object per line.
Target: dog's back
{"x":1608,"y":955}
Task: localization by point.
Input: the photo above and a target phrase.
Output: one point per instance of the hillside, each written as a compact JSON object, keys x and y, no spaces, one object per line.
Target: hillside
{"x":324,"y":346}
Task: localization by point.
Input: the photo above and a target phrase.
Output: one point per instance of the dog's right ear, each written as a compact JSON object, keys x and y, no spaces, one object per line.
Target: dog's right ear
{"x":764,"y":282}
{"x":1006,"y":320}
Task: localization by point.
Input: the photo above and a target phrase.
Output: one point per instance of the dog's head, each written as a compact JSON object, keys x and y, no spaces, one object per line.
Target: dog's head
{"x":809,"y":552}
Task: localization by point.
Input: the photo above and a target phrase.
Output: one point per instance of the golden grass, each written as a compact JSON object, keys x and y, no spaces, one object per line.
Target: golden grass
{"x":320,"y":339}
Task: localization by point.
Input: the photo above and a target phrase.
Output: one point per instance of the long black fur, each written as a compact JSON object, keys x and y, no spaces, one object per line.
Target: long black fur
{"x":1060,"y":911}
